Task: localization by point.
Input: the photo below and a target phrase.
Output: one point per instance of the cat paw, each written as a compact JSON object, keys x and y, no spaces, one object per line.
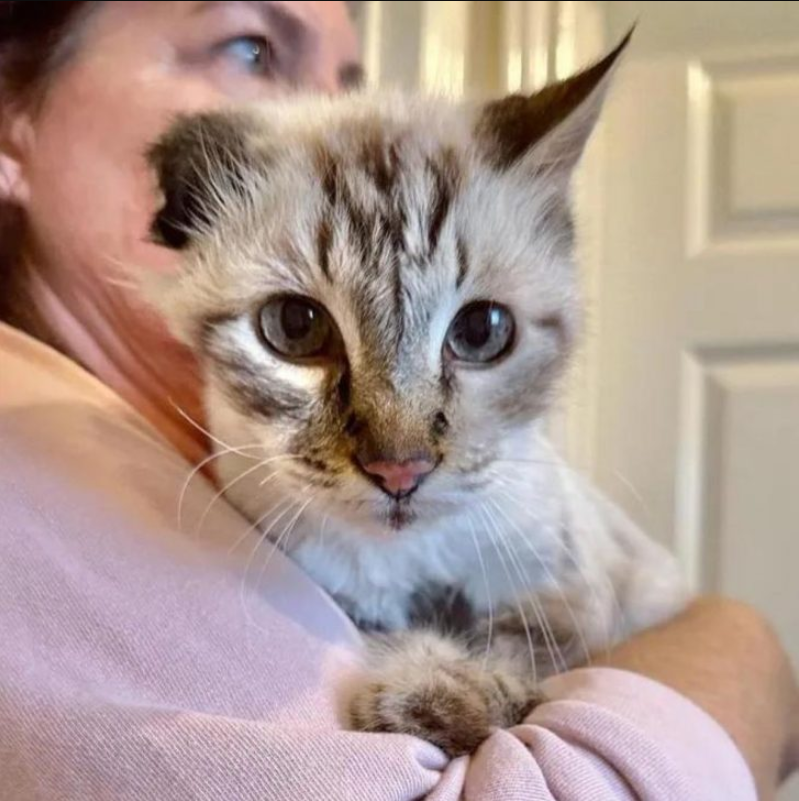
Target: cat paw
{"x":452,"y":704}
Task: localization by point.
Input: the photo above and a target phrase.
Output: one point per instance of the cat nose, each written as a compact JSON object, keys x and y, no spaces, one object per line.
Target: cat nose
{"x":399,"y":479}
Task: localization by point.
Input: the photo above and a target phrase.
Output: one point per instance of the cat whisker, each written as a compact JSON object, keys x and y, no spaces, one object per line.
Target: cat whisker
{"x":550,"y":640}
{"x":252,"y":528}
{"x":286,"y":457}
{"x":548,"y":572}
{"x":519,"y":605}
{"x":197,"y":468}
{"x":285,"y":534}
{"x":473,"y":531}
{"x":617,"y":619}
{"x":322,"y":529}
{"x":192,"y":473}
{"x":239,"y":449}
{"x":607,"y":635}
{"x":541,"y":462}
{"x":262,"y":539}
{"x":240,"y":477}
{"x":604,"y":577}
{"x":195,"y":471}
{"x":577,"y":562}
{"x":633,"y":490}
{"x":199,"y":527}
{"x":555,"y":465}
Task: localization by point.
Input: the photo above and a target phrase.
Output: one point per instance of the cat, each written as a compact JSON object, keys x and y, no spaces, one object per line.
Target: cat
{"x":382,"y":294}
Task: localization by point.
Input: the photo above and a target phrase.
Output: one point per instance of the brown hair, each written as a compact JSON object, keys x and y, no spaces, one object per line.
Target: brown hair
{"x":36,"y":36}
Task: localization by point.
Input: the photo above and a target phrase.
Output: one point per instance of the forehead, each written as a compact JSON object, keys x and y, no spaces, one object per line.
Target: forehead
{"x":386,"y":220}
{"x":383,"y":221}
{"x":325,"y":29}
{"x":375,"y":197}
{"x":379,"y":230}
{"x":389,"y":191}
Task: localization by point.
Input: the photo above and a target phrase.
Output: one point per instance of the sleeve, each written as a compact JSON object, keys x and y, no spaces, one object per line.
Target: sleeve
{"x":610,"y":734}
{"x":138,"y":753}
{"x":606,"y":735}
{"x":140,"y":662}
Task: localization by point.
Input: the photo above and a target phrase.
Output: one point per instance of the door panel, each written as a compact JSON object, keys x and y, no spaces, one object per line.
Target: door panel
{"x":695,"y":403}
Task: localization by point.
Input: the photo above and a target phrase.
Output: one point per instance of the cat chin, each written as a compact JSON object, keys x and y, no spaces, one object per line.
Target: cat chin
{"x":384,"y":519}
{"x":383,"y":523}
{"x":401,"y":516}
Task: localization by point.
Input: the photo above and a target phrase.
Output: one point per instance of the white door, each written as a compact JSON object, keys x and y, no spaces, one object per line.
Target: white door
{"x":690,"y":412}
{"x":685,"y":403}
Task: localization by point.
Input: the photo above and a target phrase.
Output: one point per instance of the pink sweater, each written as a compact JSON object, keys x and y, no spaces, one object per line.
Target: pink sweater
{"x":142,"y":662}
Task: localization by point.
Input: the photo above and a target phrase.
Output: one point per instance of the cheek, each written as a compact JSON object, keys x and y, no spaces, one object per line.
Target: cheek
{"x":469,"y":412}
{"x":91,"y":193}
{"x":518,"y":392}
{"x":323,"y":431}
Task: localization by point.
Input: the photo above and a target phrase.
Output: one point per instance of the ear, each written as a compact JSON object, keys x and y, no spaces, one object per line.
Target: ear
{"x":548,"y":130}
{"x":200,"y":162}
{"x":17,"y":143}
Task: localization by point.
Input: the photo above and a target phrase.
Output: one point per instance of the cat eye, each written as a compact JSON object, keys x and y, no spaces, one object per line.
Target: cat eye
{"x":297,"y":328}
{"x":481,"y":333}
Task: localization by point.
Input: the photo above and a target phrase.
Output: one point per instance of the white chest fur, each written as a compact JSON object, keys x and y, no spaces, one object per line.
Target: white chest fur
{"x":492,"y":565}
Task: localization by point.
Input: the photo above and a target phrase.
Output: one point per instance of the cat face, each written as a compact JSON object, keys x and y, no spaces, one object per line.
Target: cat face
{"x":380,"y":289}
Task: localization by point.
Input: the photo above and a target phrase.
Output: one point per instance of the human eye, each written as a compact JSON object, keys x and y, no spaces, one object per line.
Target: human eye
{"x":254,"y":54}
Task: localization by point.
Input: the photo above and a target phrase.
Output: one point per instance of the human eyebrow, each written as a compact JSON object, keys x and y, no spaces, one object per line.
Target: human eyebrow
{"x":201,"y":8}
{"x":292,"y":33}
{"x":290,"y":29}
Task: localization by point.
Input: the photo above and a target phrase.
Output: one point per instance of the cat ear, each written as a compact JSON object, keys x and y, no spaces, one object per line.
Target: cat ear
{"x":200,"y":163}
{"x":548,"y":130}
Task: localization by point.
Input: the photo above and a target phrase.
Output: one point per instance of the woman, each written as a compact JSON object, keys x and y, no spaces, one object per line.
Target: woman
{"x":146,"y":660}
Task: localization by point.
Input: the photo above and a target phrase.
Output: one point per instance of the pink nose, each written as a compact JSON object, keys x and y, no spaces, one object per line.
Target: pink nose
{"x":399,"y":478}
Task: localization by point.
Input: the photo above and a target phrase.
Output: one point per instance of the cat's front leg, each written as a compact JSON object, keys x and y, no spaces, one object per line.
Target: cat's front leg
{"x":432,"y":686}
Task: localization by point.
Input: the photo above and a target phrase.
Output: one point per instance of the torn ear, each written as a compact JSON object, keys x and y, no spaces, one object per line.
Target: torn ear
{"x":200,"y":161}
{"x":550,"y":128}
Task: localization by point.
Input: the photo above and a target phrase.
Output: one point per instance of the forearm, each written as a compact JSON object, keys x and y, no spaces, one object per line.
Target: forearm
{"x":725,"y":658}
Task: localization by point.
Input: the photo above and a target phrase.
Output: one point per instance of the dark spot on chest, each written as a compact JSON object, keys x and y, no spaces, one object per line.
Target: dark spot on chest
{"x":443,"y":608}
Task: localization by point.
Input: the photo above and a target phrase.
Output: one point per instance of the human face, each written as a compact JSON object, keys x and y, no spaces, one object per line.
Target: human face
{"x":137,"y":64}
{"x":78,"y":158}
